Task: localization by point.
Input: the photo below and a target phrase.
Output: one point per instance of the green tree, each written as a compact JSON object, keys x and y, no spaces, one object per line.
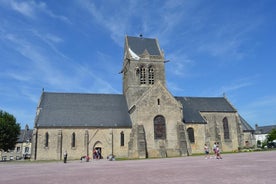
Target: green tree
{"x":9,"y":131}
{"x":271,"y":135}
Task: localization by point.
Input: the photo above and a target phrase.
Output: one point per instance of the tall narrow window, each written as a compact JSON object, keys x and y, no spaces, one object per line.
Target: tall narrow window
{"x":122,"y":139}
{"x":46,"y":139}
{"x":191,"y":135}
{"x":151,"y":75}
{"x":142,"y":75}
{"x":159,"y":127}
{"x":26,"y":150}
{"x":73,"y":139}
{"x":226,"y":128}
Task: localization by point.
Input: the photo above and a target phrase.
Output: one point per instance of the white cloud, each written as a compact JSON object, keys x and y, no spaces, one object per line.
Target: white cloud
{"x":25,"y":8}
{"x":260,"y":111}
{"x":227,"y":39}
{"x":179,"y":63}
{"x":236,"y":85}
{"x":43,"y":70}
{"x":53,"y":38}
{"x":128,"y":19}
{"x":98,"y":85}
{"x":264,"y":102}
{"x":32,"y":8}
{"x":18,"y":76}
{"x":113,"y":20}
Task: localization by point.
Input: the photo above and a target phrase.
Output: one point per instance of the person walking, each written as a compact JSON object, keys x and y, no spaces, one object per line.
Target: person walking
{"x":206,"y":150}
{"x":218,"y":156}
{"x":215,"y":149}
{"x":65,"y":157}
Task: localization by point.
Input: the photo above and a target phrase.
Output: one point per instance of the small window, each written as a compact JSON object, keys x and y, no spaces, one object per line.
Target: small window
{"x":18,"y":149}
{"x":191,"y":135}
{"x":226,"y":128}
{"x":122,"y":142}
{"x":46,"y":139}
{"x":158,"y":101}
{"x":73,"y":140}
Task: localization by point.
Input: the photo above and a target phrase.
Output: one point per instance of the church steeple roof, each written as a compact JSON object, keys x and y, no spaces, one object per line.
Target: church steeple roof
{"x":140,"y":44}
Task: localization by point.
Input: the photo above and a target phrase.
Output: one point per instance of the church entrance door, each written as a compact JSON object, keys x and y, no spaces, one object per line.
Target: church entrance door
{"x":97,"y":151}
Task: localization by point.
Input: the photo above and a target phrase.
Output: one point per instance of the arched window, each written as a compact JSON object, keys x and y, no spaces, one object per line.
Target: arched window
{"x":191,"y":135}
{"x":142,"y":75}
{"x":159,"y":127}
{"x":46,"y":139}
{"x":226,"y":128}
{"x":122,"y":142}
{"x":151,"y":75}
{"x":73,"y":142}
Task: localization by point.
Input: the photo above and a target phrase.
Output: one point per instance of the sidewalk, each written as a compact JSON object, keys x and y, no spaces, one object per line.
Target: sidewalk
{"x":253,"y":168}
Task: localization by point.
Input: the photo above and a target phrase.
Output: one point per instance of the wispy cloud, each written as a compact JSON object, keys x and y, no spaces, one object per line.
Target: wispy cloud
{"x":115,"y":24}
{"x":179,"y":63}
{"x":261,"y":109}
{"x":25,"y":8}
{"x":235,"y":85}
{"x":265,"y":101}
{"x":53,"y":38}
{"x":128,"y":19}
{"x":43,"y":68}
{"x":227,"y":39}
{"x":56,"y":46}
{"x":32,"y":8}
{"x":98,"y":85}
{"x":16,"y":76}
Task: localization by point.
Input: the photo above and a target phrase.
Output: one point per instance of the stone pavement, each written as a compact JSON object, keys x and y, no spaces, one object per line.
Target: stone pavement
{"x":253,"y":168}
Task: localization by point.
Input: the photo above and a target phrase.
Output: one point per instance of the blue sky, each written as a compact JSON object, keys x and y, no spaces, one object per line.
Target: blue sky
{"x":215,"y":47}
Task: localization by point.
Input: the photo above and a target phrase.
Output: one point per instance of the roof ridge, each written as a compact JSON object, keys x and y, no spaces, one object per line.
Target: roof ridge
{"x":80,"y":93}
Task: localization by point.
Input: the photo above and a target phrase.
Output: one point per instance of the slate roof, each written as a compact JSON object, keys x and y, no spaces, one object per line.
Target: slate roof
{"x":79,"y":110}
{"x":192,"y":106}
{"x":139,"y":44}
{"x":245,"y":126}
{"x":110,"y":110}
{"x":25,"y":136}
{"x":264,"y":129}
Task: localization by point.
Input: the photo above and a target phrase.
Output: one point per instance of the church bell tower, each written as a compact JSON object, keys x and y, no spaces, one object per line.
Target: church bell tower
{"x":143,"y":66}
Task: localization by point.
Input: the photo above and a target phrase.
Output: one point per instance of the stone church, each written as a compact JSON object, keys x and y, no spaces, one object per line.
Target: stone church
{"x":146,"y":121}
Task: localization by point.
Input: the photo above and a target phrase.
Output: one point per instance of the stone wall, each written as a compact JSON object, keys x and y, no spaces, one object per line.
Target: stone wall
{"x":60,"y":140}
{"x":213,"y":132}
{"x":158,"y":101}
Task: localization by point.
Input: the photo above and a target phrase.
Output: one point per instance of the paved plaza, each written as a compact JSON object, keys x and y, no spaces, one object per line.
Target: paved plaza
{"x":253,"y":168}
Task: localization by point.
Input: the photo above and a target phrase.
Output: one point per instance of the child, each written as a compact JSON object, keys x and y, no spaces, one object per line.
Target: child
{"x":215,"y":149}
{"x":218,"y":153}
{"x":206,"y":149}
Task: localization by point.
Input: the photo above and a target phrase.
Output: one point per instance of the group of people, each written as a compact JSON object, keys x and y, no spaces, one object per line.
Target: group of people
{"x":97,"y":154}
{"x":85,"y":158}
{"x":216,"y":151}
